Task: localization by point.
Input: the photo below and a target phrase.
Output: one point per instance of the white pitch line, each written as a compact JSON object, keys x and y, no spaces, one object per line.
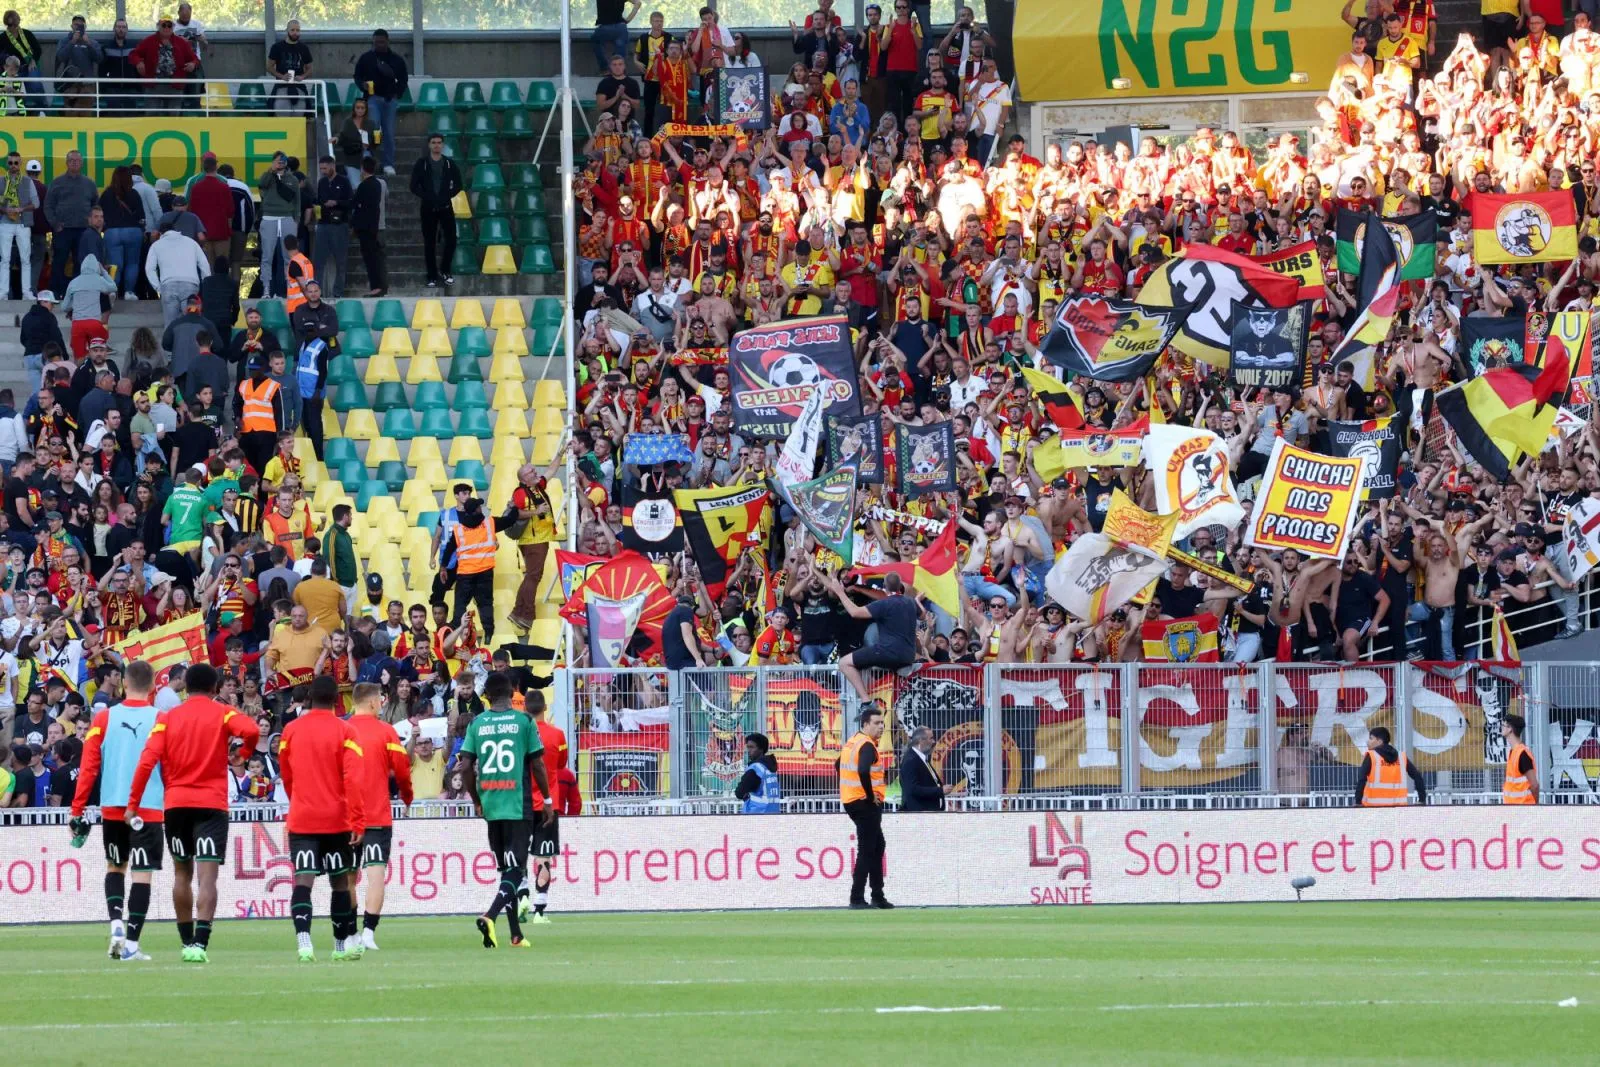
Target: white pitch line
{"x":909,"y":1008}
{"x":1253,"y":1005}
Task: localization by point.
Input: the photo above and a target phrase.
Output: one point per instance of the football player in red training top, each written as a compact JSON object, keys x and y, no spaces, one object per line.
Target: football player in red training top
{"x":190,"y":743}
{"x":382,"y":755}
{"x":545,"y":841}
{"x":320,"y":760}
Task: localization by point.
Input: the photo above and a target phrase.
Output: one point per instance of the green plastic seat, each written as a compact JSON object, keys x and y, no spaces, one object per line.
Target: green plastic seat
{"x":494,"y":231}
{"x":370,"y":488}
{"x":350,"y":396}
{"x":505,"y":96}
{"x":464,"y":264}
{"x":430,"y":397}
{"x":358,"y":342}
{"x":464,"y":368}
{"x":433,"y":96}
{"x":273,"y":314}
{"x":524,"y":176}
{"x":428,"y":520}
{"x":352,"y":93}
{"x":390,"y":395}
{"x":480,"y":123}
{"x":407,"y":103}
{"x":387,"y":313}
{"x":250,"y":96}
{"x":474,"y":340}
{"x":537,"y":259}
{"x":469,"y":96}
{"x":471,"y":470}
{"x":286,"y":339}
{"x":487,"y":176}
{"x":546,"y":311}
{"x":392,"y":473}
{"x":526,"y":203}
{"x":490,"y":202}
{"x":517,"y":126}
{"x":436,"y":423}
{"x":481,"y":150}
{"x":399,"y":424}
{"x":342,"y":369}
{"x":534,"y":229}
{"x":337,"y":451}
{"x":470,"y":394}
{"x":443,"y":122}
{"x":474,"y":422}
{"x":351,"y":313}
{"x":547,"y":339}
{"x":541,"y":95}
{"x":466,"y":233}
{"x":352,"y":472}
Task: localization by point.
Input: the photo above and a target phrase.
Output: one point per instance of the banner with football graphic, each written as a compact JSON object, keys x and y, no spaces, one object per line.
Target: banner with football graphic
{"x":1191,"y":477}
{"x":1377,"y":441}
{"x":1307,"y":502}
{"x":1108,"y":339}
{"x":925,"y":459}
{"x":775,"y":368}
{"x":857,"y":440}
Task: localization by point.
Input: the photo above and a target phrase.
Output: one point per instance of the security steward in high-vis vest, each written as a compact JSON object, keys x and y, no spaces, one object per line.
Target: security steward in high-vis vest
{"x":861,"y":792}
{"x":475,"y":545}
{"x":759,"y":788}
{"x":1522,"y":778}
{"x":298,"y":272}
{"x":258,"y":412}
{"x":1381,"y":781}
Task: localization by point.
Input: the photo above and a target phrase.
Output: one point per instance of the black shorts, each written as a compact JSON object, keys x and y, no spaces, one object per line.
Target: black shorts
{"x":545,"y":841}
{"x":322,"y":853}
{"x":508,"y":840}
{"x":139,"y":849}
{"x":375,"y":845}
{"x":880,"y":656}
{"x":197,"y":834}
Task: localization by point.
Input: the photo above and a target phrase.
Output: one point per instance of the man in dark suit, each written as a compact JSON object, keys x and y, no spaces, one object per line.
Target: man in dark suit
{"x":920,"y":788}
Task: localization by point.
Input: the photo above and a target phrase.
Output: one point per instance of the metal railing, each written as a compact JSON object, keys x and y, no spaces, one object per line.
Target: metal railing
{"x":1019,"y":736}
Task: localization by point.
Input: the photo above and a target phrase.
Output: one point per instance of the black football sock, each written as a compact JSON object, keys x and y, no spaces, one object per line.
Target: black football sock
{"x":202,"y":932}
{"x":508,"y":891}
{"x":114,"y":887}
{"x":542,"y":883}
{"x":186,"y":933}
{"x":300,"y":909}
{"x":370,"y":921}
{"x":342,"y":911}
{"x":138,"y":907}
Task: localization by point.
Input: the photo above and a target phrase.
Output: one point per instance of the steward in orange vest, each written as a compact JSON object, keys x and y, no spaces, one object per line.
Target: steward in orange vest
{"x":474,"y":580}
{"x":861,"y":791}
{"x":258,"y":411}
{"x":1522,"y":777}
{"x":1382,"y":781}
{"x":297,"y":271}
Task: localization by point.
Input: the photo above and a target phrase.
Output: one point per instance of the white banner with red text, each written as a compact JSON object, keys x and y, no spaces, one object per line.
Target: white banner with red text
{"x":669,"y":863}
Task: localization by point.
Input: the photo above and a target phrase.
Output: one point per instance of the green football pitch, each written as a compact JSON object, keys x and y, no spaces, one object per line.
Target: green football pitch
{"x":1442,"y":983}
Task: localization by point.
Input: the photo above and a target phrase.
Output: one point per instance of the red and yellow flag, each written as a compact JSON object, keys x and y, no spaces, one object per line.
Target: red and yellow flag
{"x":183,"y":640}
{"x":933,"y":574}
{"x":1192,"y":639}
{"x":1524,"y":227}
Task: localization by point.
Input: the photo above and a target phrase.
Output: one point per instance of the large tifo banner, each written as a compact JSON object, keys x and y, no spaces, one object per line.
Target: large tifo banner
{"x":675,"y":862}
{"x":169,"y":147}
{"x":1171,"y":49}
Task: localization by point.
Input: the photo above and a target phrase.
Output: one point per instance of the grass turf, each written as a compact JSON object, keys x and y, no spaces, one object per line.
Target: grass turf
{"x":1446,"y":983}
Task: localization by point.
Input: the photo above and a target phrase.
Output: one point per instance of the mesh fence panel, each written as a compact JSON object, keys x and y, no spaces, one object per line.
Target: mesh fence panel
{"x":1323,"y":716}
{"x":720,"y":707}
{"x":1062,"y":729}
{"x":1456,"y":713}
{"x":948,"y":699}
{"x":808,"y":719}
{"x":1574,"y":730}
{"x":622,"y":727}
{"x":1198,"y":728}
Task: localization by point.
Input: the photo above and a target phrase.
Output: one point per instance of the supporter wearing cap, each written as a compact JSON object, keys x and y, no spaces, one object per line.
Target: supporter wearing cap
{"x":165,"y":91}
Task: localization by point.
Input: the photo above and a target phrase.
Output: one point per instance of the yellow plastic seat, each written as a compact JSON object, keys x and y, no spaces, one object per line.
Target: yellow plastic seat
{"x":464,"y":448}
{"x":507,"y":313}
{"x":395,"y":343}
{"x":500,"y":489}
{"x":427,"y":313}
{"x":510,"y":341}
{"x":326,"y":494}
{"x":424,"y":449}
{"x":381,"y":369}
{"x":544,"y":449}
{"x":548,"y":420}
{"x":507,"y":368}
{"x":435,"y":341}
{"x":218,"y":98}
{"x":507,"y":452}
{"x":545,"y":632}
{"x":414,"y":539}
{"x":416,"y":494}
{"x":509,"y":396}
{"x":550,"y":393}
{"x":361,"y":425}
{"x":512,"y":422}
{"x":467,"y":312}
{"x":424,"y":367}
{"x":461,"y":206}
{"x":497,"y":259}
{"x":382,"y":450}
{"x":434,"y":477}
{"x":312,"y":473}
{"x":556,"y":490}
{"x":303,"y":450}
{"x":330,"y":423}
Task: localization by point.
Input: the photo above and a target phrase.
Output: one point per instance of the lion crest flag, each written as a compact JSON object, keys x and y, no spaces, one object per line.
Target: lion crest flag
{"x":1307,"y":502}
{"x":1191,"y":477}
{"x":1378,"y":442}
{"x":1192,"y":639}
{"x":925,"y":459}
{"x":1524,"y":227}
{"x":776,"y":367}
{"x":1097,"y":575}
{"x":857,"y":440}
{"x":1108,"y":339}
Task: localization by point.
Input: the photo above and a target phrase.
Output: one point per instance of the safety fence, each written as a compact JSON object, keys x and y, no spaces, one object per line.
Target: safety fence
{"x":1019,"y":737}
